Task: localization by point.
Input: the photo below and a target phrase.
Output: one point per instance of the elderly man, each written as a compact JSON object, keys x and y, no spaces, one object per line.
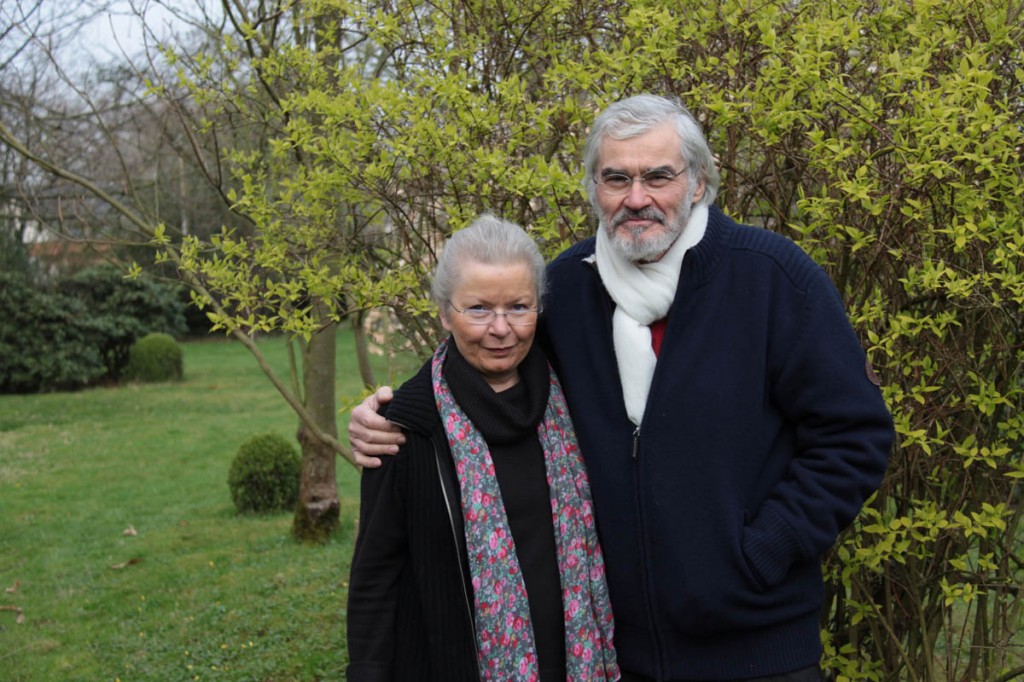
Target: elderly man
{"x":724,"y":407}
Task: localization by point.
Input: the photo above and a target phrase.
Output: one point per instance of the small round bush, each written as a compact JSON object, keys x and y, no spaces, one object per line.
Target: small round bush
{"x":264,"y":475}
{"x":155,"y":357}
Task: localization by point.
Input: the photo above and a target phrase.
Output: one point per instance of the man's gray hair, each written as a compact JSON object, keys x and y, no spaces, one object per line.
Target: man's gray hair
{"x":637,"y":115}
{"x":492,"y":241}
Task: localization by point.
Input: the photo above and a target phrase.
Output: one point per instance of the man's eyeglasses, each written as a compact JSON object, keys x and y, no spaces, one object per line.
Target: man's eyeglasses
{"x":652,"y":180}
{"x":516,"y":316}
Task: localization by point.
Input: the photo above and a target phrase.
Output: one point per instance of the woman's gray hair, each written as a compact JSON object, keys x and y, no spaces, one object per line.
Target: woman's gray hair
{"x":635,"y":116}
{"x":492,"y":241}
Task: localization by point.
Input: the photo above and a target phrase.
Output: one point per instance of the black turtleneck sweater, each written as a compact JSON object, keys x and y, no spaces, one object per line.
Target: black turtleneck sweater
{"x":508,"y":422}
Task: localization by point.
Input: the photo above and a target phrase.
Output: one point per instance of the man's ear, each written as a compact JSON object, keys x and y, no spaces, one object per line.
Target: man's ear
{"x":698,"y":193}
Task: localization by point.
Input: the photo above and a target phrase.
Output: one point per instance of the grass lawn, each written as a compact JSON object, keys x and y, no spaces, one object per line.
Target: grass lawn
{"x":121,"y":555}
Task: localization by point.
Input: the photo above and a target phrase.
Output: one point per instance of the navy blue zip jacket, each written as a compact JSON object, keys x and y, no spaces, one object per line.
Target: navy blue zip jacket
{"x":764,"y":433}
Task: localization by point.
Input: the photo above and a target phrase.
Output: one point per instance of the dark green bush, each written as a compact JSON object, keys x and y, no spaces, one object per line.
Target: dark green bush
{"x":264,"y":475}
{"x":13,"y":254}
{"x":48,"y":341}
{"x":154,"y":357}
{"x":78,"y":330}
{"x":124,"y":310}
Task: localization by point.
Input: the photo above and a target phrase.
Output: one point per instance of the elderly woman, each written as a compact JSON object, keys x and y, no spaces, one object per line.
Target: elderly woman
{"x":477,"y":557}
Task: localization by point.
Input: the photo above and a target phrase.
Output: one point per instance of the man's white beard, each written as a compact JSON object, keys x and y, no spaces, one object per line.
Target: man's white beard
{"x":634,"y":247}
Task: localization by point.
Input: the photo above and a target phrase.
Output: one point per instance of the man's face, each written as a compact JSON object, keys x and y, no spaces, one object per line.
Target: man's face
{"x":643,"y":222}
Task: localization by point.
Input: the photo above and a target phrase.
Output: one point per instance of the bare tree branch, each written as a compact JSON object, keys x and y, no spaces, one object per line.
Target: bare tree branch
{"x":140,"y":222}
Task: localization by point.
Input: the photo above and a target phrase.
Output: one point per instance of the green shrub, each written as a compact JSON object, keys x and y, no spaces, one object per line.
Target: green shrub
{"x":48,"y":341}
{"x":78,"y":330}
{"x":264,"y":475}
{"x":123,"y":310}
{"x":154,"y":357}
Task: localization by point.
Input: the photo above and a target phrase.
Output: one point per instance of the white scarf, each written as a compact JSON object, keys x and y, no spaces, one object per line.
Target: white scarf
{"x":643,"y":293}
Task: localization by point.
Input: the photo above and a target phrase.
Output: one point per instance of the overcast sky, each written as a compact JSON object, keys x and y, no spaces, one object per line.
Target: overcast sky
{"x":89,"y":31}
{"x":119,"y":30}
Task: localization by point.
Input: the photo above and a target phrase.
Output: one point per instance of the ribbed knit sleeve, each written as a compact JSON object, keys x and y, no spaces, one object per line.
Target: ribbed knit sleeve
{"x":409,"y":602}
{"x":843,"y":431}
{"x":380,"y":557}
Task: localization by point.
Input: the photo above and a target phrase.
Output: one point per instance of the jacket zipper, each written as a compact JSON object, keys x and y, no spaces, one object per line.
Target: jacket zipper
{"x":644,"y":558}
{"x":641,"y":541}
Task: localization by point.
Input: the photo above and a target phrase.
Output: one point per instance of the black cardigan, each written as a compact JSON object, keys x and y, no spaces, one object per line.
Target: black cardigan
{"x":422,"y":629}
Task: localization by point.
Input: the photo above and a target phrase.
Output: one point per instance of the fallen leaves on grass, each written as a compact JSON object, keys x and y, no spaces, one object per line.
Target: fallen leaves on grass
{"x":130,"y":562}
{"x":13,"y":588}
{"x":130,"y":531}
{"x":20,"y":618}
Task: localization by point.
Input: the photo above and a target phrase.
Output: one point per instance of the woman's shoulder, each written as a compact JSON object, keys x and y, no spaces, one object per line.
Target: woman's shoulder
{"x":413,"y":406}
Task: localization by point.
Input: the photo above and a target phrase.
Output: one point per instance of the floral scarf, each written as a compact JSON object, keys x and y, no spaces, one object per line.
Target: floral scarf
{"x":504,"y":633}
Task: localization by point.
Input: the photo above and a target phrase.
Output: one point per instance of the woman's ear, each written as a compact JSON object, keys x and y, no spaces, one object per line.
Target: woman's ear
{"x":443,"y":314}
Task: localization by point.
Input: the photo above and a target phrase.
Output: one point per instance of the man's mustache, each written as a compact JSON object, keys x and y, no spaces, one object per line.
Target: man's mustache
{"x":646,"y":213}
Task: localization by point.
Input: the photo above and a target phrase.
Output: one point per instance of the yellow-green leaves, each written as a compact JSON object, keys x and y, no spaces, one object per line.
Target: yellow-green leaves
{"x":884,"y":137}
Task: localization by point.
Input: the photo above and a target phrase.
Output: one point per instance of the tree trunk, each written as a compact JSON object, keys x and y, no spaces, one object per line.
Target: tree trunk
{"x":362,"y":349}
{"x":316,"y":516}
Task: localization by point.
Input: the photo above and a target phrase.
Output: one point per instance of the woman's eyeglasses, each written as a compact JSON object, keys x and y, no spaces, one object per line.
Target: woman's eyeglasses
{"x":517,"y":315}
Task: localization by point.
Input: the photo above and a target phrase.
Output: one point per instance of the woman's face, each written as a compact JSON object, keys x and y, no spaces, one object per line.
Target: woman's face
{"x":497,"y":348}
